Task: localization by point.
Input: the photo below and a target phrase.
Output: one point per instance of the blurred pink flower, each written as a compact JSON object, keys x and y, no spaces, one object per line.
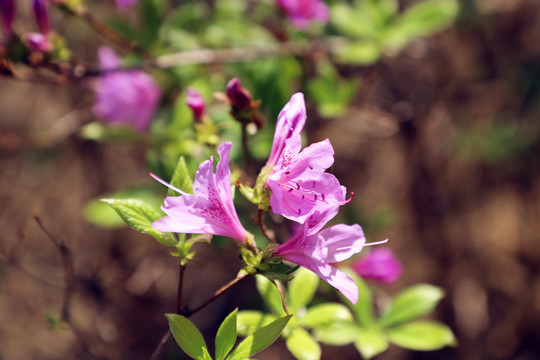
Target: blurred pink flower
{"x":319,"y":251}
{"x":297,"y":179}
{"x":239,"y":97}
{"x":124,"y":96}
{"x":303,"y":12}
{"x":38,"y":42}
{"x":380,"y":265}
{"x":210,"y":210}
{"x":195,"y":102}
{"x":123,"y":5}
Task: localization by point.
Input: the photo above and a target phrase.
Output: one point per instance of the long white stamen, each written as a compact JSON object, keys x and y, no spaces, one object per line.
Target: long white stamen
{"x":377,"y":242}
{"x":167,"y":184}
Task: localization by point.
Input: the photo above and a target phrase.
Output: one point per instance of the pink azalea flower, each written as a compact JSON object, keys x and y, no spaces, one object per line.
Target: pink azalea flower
{"x":195,"y":102}
{"x":123,"y":5}
{"x":41,"y":16}
{"x":124,"y":96}
{"x":298,"y":180}
{"x":303,"y":12}
{"x":319,"y":251}
{"x":380,"y":265}
{"x":210,"y":210}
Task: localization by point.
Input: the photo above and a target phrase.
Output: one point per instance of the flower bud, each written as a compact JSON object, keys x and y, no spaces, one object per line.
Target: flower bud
{"x":41,"y":17}
{"x":380,"y":265}
{"x":7,"y":13}
{"x":196,"y":103}
{"x":238,"y":96}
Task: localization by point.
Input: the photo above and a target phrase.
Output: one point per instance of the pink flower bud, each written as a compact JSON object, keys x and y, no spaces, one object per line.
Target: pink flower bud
{"x":41,"y":17}
{"x":238,"y":96}
{"x":380,"y":265}
{"x":195,"y":102}
{"x":7,"y":13}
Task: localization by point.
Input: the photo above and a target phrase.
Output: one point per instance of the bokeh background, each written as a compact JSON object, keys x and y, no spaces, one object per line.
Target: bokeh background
{"x":440,"y":144}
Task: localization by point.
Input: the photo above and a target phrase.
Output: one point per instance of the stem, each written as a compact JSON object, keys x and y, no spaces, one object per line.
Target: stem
{"x":180,"y":283}
{"x":105,"y":31}
{"x":260,"y":221}
{"x":241,"y":276}
{"x":159,"y":348}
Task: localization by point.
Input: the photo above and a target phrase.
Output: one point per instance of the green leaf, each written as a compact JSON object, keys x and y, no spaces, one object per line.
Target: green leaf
{"x":325,"y":314}
{"x":187,"y":336}
{"x":353,"y":22}
{"x":411,"y":304}
{"x":139,"y":216}
{"x":371,"y":342}
{"x":363,"y":309}
{"x":249,"y":321}
{"x":422,"y":335}
{"x":361,"y":53}
{"x":302,"y":345}
{"x":270,"y":294}
{"x":260,"y":340}
{"x":181,"y":178}
{"x":339,"y":333}
{"x":226,"y":336}
{"x":422,"y":19}
{"x":302,"y":289}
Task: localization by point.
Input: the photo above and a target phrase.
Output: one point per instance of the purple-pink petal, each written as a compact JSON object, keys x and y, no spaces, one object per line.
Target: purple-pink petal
{"x":379,"y":265}
{"x":290,"y":123}
{"x":195,"y":102}
{"x":210,"y":209}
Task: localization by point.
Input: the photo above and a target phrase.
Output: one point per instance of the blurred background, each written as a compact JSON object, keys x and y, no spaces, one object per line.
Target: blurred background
{"x":439,"y":142}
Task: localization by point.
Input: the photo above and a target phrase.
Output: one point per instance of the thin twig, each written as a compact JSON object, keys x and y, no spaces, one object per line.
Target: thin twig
{"x":180,"y":285}
{"x":69,"y":280}
{"x":105,"y":31}
{"x":159,"y":348}
{"x":248,"y":166}
{"x":241,"y":276}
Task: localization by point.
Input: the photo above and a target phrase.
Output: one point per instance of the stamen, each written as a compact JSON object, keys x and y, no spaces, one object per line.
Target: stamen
{"x":377,"y":242}
{"x":167,"y":184}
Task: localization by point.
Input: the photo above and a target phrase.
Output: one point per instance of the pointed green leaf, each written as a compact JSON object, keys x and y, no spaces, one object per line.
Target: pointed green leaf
{"x":371,"y":342}
{"x":422,"y":335}
{"x":412,"y":303}
{"x":325,"y":314}
{"x":249,"y":321}
{"x":187,"y":336}
{"x":339,"y":333}
{"x":302,"y":346}
{"x":426,"y":17}
{"x":139,"y":216}
{"x":181,"y":178}
{"x":270,"y":294}
{"x":226,"y":336}
{"x":302,"y":289}
{"x":206,"y":354}
{"x":260,"y":340}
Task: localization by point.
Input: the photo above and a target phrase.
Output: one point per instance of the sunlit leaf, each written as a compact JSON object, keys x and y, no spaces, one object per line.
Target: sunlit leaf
{"x":411,"y":304}
{"x":226,"y":336}
{"x":422,"y":335}
{"x":181,"y":179}
{"x":339,"y":333}
{"x":260,"y":339}
{"x":187,"y":336}
{"x":249,"y":321}
{"x":302,"y":346}
{"x":371,"y":342}
{"x":325,"y":314}
{"x":270,"y":294}
{"x":302,"y":289}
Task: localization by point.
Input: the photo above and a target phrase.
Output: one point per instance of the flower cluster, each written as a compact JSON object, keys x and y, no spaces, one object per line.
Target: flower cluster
{"x":299,"y":189}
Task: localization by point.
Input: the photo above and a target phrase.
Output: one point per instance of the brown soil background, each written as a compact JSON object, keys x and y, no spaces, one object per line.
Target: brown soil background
{"x":465,"y":219}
